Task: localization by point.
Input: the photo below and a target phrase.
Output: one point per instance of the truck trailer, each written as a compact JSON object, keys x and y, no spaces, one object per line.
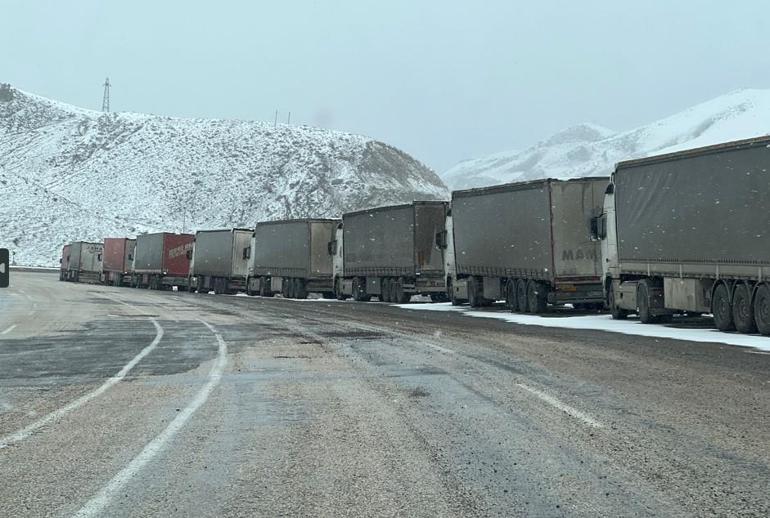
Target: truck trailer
{"x":528,"y":243}
{"x":118,"y":260}
{"x":221,"y":260}
{"x":162,"y":260}
{"x":690,"y":232}
{"x":84,"y":262}
{"x":291,"y":257}
{"x":391,"y":253}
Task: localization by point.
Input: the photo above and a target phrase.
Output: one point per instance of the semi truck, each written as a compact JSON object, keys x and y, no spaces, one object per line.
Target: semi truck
{"x":118,"y":260}
{"x":390,"y":252}
{"x":64,"y":262}
{"x":527,"y":243}
{"x":220,"y":260}
{"x":84,"y":262}
{"x":689,"y":232}
{"x":291,"y":257}
{"x":162,"y":260}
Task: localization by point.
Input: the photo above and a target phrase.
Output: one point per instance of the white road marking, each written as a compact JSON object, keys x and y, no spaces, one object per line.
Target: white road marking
{"x":96,"y":505}
{"x":439,"y":348}
{"x":9,"y":330}
{"x":571,"y":411}
{"x":82,"y":400}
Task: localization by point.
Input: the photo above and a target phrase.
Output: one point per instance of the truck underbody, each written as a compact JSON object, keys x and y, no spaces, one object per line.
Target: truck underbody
{"x":525,"y":294}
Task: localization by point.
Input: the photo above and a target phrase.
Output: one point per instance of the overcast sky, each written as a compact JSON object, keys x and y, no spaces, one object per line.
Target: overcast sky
{"x":444,"y":80}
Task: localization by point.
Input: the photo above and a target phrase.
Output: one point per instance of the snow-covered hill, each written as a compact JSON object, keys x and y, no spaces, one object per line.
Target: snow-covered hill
{"x":69,"y":173}
{"x":590,"y":150}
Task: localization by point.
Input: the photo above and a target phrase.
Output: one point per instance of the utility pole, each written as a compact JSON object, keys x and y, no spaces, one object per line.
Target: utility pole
{"x":106,"y":97}
{"x":288,"y":120}
{"x":275,"y":122}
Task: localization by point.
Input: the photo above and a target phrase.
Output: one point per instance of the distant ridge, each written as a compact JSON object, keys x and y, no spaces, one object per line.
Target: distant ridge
{"x":590,"y":150}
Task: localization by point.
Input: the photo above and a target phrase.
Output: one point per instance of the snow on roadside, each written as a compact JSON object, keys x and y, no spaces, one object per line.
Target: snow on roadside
{"x":605,"y":323}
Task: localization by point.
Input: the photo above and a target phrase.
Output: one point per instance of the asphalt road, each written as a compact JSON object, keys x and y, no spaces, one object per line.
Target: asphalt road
{"x":124,"y":402}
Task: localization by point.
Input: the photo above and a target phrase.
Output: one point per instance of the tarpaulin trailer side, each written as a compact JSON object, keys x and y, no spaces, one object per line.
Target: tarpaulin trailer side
{"x":528,"y":243}
{"x":292,"y":257}
{"x":391,"y":252}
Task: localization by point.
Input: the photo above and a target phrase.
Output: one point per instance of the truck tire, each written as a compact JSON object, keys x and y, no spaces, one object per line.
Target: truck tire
{"x":521,"y":295}
{"x":616,"y":312}
{"x":398,"y":292}
{"x":386,"y":295}
{"x":537,"y":300}
{"x":475,"y":299}
{"x":438,"y":297}
{"x":338,"y":289}
{"x":450,"y":291}
{"x":359,"y":293}
{"x":300,"y":289}
{"x":722,"y":309}
{"x":762,"y":309}
{"x":743,"y":311}
{"x":264,"y":289}
{"x":286,"y":288}
{"x":643,"y":303}
{"x":511,"y":292}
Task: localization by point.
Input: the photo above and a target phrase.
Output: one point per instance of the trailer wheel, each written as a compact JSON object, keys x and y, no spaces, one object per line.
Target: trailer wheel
{"x":338,"y":289}
{"x":474,"y":296}
{"x":386,"y":295}
{"x":743,"y":312}
{"x":762,"y":309}
{"x":300,"y":289}
{"x":722,"y":309}
{"x":359,"y":293}
{"x":265,"y":287}
{"x":536,"y":297}
{"x":643,"y":304}
{"x":398,"y":292}
{"x":511,"y":292}
{"x":616,"y":312}
{"x":521,"y":295}
{"x":286,"y":288}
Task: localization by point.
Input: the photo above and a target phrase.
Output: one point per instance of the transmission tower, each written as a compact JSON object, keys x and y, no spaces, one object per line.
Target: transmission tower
{"x":106,"y":98}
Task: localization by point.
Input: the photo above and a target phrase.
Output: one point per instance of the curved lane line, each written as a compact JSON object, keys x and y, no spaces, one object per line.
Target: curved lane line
{"x":82,"y":400}
{"x":9,"y":329}
{"x":102,"y":499}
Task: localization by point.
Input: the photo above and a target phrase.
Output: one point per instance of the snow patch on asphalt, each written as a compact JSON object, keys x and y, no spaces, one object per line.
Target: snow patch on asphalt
{"x":604,"y":323}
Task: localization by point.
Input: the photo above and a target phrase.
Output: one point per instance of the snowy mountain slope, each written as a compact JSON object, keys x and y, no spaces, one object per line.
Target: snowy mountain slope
{"x":71,"y":174}
{"x":589,"y":150}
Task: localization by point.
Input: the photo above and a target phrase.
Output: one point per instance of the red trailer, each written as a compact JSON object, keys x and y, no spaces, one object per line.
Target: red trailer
{"x":118,"y":260}
{"x":64,"y":262}
{"x":162,"y":260}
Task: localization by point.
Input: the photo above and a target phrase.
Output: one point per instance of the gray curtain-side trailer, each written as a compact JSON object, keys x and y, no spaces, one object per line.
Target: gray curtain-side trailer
{"x":690,"y":232}
{"x":528,"y":243}
{"x":391,"y":252}
{"x":220,"y":260}
{"x":85,"y":262}
{"x":291,"y":257}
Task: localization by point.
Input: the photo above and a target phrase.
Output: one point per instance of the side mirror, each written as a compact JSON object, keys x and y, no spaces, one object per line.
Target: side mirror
{"x":247,"y":252}
{"x":332,"y":247}
{"x":188,"y":254}
{"x":441,"y":239}
{"x":130,"y":257}
{"x":99,"y":257}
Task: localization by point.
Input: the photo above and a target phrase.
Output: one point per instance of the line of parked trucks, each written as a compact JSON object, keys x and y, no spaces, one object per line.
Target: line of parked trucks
{"x":686,"y":232}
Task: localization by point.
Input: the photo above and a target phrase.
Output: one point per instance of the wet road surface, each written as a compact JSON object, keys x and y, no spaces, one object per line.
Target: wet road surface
{"x":124,"y":402}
